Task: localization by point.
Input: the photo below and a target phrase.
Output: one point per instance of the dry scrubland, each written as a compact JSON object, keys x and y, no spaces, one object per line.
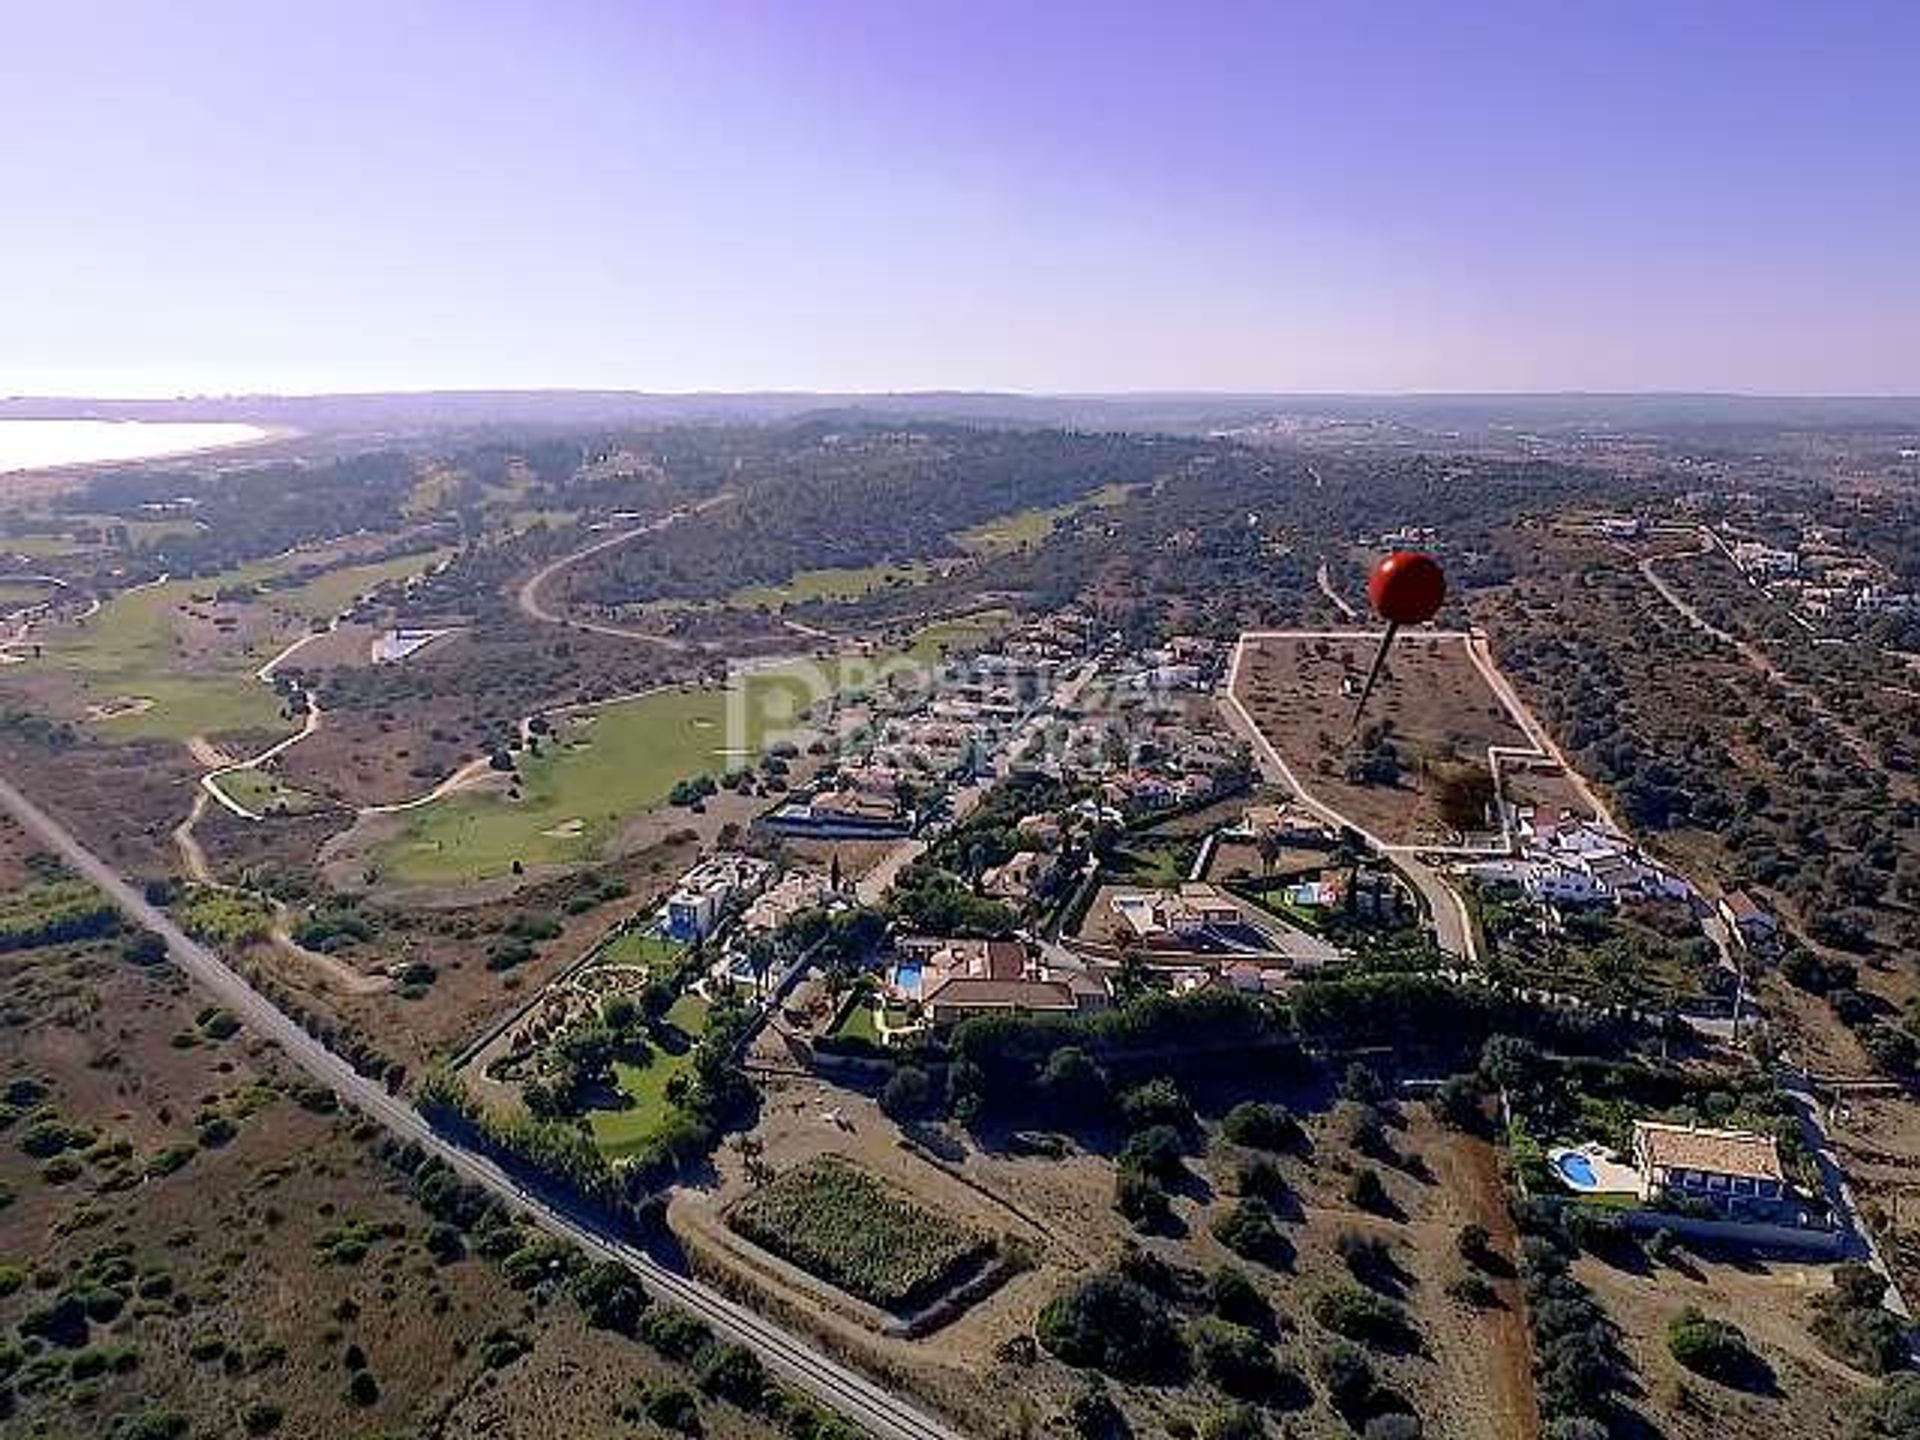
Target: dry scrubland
{"x":194,"y":1241}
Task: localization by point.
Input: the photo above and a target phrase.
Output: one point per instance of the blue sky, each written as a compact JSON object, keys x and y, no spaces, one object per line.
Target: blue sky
{"x":1068,"y":196}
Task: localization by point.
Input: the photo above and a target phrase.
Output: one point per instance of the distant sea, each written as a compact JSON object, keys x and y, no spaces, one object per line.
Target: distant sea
{"x":42,"y":444}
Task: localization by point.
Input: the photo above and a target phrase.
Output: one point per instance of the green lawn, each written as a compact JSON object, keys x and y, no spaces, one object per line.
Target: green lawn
{"x":625,"y":759}
{"x":859,"y":1023}
{"x":130,"y":650}
{"x":624,"y":1132}
{"x":933,"y":643}
{"x":262,"y":793}
{"x":642,"y":947}
{"x":1030,"y":527}
{"x":833,"y":583}
{"x":327,"y":595}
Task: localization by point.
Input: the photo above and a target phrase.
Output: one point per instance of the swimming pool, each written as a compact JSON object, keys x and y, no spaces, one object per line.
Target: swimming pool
{"x":1576,"y":1170}
{"x":907,"y":977}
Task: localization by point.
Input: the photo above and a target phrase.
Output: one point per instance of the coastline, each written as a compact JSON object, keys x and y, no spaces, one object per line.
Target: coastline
{"x":263,"y":435}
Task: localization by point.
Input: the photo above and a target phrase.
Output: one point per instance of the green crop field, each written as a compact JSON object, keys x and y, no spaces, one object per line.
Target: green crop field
{"x":849,"y":1228}
{"x":623,"y":759}
{"x":625,"y":1132}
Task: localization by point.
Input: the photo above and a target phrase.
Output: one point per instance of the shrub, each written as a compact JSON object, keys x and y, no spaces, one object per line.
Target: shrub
{"x":674,"y":1333}
{"x":1108,"y":1323}
{"x":908,"y":1093}
{"x":1712,"y":1348}
{"x":1260,"y":1126}
{"x":1158,"y":1102}
{"x":1093,"y":1415}
{"x":1366,"y":1191}
{"x":672,"y":1408}
{"x":1235,"y":1359}
{"x":1473,"y":1290}
{"x":734,"y":1373}
{"x":1349,"y":1378}
{"x":1360,"y":1315}
{"x":1156,"y":1151}
{"x":610,"y":1296}
{"x":1248,"y":1229}
{"x":500,"y":1347}
{"x":261,"y":1417}
{"x":1368,"y":1258}
{"x":1235,"y":1297}
{"x":1474,"y":1243}
{"x":1141,"y":1199}
{"x":363,"y":1389}
{"x":1395,"y":1426}
{"x":1242,"y":1422}
{"x":1261,"y":1179}
{"x":1074,"y":1087}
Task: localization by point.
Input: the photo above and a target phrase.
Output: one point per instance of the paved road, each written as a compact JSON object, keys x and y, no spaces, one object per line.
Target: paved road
{"x":534,"y":608}
{"x":1799,"y":1090}
{"x":833,"y":1384}
{"x":1452,"y":929}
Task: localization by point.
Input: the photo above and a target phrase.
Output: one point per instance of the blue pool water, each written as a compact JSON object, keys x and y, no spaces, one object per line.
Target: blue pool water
{"x":907,"y":977}
{"x":1576,"y":1170}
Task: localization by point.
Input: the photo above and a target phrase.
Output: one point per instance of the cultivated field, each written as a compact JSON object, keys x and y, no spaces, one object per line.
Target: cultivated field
{"x":1417,"y":772}
{"x":838,"y":1222}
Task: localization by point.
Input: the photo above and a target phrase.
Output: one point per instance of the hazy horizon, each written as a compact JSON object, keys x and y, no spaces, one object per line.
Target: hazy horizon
{"x":1231,"y":200}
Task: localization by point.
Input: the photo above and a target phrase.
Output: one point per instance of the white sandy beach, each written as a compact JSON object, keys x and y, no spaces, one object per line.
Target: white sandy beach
{"x":48,"y":444}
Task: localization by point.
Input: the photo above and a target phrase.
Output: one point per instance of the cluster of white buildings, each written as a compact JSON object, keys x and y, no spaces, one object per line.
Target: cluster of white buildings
{"x":708,"y":892}
{"x":1821,"y":577}
{"x":1581,"y":863}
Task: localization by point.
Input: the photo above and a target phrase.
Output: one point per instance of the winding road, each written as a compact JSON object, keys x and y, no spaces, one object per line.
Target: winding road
{"x":528,"y":596}
{"x":833,"y":1384}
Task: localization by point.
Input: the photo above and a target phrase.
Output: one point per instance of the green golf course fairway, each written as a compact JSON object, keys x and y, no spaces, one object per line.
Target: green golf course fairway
{"x":128,"y":651}
{"x":613,"y":763}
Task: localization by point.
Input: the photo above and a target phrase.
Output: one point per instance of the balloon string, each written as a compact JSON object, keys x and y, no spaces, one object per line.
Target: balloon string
{"x":1373,"y":675}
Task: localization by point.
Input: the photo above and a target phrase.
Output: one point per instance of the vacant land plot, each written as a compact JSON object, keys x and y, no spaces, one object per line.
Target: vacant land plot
{"x":1417,"y":773}
{"x":838,"y":1222}
{"x":1800,"y":1390}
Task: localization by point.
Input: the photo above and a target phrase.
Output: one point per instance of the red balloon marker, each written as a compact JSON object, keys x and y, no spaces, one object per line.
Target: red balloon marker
{"x":1406,"y":588}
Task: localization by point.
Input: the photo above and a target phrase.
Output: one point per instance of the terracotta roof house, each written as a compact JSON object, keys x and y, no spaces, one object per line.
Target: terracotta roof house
{"x":1736,"y":1172}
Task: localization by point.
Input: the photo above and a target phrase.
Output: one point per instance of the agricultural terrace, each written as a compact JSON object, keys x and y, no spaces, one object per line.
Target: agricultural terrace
{"x":848,"y":1228}
{"x":1417,"y":773}
{"x":602,"y":766}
